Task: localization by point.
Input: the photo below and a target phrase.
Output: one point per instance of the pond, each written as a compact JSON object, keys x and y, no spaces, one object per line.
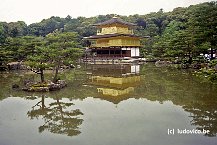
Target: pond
{"x":111,"y":105}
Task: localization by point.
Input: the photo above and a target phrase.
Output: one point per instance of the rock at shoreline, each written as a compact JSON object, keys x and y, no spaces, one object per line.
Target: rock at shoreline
{"x":215,"y":67}
{"x":196,"y":65}
{"x":162,"y":63}
{"x":17,"y":66}
{"x":57,"y":86}
{"x":14,"y":65}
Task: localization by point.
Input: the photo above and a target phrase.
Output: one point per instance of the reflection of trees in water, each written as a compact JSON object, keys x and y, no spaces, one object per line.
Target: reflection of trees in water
{"x":204,"y":116}
{"x":180,"y":87}
{"x":57,"y":119}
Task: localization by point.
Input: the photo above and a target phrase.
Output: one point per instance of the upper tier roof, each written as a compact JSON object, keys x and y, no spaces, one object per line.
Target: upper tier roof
{"x":113,"y":21}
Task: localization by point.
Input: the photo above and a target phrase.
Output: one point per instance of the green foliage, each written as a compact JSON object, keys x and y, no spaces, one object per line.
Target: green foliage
{"x":4,"y":56}
{"x":3,"y":34}
{"x":12,"y":29}
{"x":190,"y":32}
{"x":208,"y":74}
{"x":63,"y":46}
{"x":63,"y":49}
{"x":46,"y":26}
{"x":56,"y":49}
{"x":213,"y":63}
{"x":19,"y":48}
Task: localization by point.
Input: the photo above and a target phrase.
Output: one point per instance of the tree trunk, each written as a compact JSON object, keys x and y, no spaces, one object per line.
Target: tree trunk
{"x":60,"y":107}
{"x":55,"y":79}
{"x":211,"y":57}
{"x":190,"y":57}
{"x":42,"y":75}
{"x":43,"y":102}
{"x":56,"y":74}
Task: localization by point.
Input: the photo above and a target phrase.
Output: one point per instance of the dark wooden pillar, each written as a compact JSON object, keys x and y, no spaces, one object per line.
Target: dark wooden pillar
{"x":114,"y":53}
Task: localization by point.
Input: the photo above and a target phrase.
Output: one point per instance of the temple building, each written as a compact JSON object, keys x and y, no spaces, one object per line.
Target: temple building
{"x":115,"y":38}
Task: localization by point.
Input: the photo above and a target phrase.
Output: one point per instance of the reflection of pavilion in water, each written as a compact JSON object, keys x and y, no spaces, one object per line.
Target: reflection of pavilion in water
{"x":115,"y":83}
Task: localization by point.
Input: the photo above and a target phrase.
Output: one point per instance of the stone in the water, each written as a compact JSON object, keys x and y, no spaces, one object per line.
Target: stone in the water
{"x":162,"y":63}
{"x":15,"y":86}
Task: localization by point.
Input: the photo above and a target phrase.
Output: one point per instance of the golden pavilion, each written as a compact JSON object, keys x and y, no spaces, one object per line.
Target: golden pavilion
{"x":115,"y":39}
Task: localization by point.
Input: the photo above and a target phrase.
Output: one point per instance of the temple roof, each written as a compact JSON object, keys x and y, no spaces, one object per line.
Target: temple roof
{"x":114,"y":20}
{"x":110,"y":35}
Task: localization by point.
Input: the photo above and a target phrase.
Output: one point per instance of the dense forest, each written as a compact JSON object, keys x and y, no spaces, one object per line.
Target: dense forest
{"x":185,"y":34}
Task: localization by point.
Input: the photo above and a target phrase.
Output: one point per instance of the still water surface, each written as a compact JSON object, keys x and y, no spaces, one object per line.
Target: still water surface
{"x":110,"y":105}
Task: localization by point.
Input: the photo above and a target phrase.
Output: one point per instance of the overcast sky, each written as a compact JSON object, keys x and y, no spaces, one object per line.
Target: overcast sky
{"x":32,"y":11}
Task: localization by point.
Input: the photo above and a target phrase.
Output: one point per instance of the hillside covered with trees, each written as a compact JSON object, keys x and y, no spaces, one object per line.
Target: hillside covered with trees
{"x":184,"y":34}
